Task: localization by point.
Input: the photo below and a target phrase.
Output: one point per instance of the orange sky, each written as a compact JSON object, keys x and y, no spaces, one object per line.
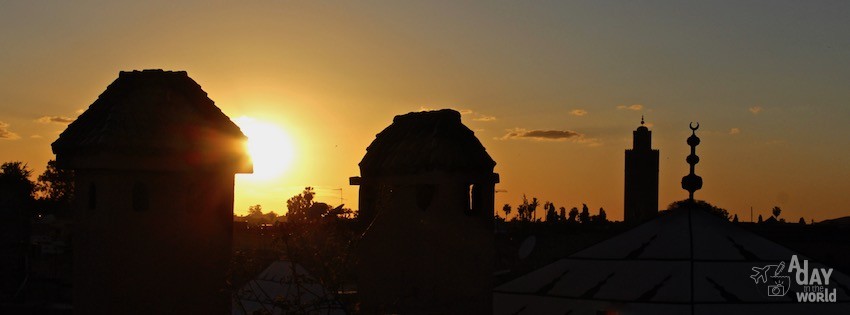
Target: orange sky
{"x":766,"y":82}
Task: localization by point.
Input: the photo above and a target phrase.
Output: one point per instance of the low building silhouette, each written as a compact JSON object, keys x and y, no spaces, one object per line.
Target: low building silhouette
{"x":687,"y":260}
{"x":641,"y":177}
{"x":154,"y":160}
{"x":426,"y":194}
{"x":684,"y":261}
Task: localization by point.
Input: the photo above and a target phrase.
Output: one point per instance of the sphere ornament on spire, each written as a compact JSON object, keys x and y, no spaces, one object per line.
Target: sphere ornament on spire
{"x":643,"y":127}
{"x":692,"y":182}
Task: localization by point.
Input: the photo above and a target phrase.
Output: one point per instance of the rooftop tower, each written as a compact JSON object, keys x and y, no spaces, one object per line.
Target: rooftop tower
{"x":641,"y":177}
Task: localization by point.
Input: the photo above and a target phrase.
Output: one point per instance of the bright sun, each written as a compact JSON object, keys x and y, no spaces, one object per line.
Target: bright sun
{"x":270,"y":147}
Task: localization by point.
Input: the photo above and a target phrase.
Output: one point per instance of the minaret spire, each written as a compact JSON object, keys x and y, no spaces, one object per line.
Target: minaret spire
{"x":641,"y":120}
{"x":692,"y":182}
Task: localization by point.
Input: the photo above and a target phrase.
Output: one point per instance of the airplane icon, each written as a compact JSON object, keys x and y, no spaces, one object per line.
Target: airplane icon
{"x":761,"y":273}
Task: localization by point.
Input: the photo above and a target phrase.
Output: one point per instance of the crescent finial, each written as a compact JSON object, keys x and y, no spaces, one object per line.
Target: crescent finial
{"x":692,"y":126}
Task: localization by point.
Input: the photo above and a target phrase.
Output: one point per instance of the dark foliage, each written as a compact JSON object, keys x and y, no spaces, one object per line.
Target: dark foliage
{"x":699,"y":204}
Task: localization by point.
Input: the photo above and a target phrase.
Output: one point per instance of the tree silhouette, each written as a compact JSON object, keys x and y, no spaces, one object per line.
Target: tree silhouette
{"x":532,"y":207}
{"x":256,"y":216}
{"x":563,"y":215}
{"x":584,"y":216}
{"x":760,"y":219}
{"x":16,"y":210}
{"x":507,"y":209}
{"x":573,"y":215}
{"x":16,"y":189}
{"x":699,"y":204}
{"x":255,"y":210}
{"x":298,"y":206}
{"x":318,"y":237}
{"x":522,"y":209}
{"x":802,"y":222}
{"x":55,"y":189}
{"x":551,"y":215}
{"x":527,"y":210}
{"x":776,"y":211}
{"x":602,"y":216}
{"x":735,"y":218}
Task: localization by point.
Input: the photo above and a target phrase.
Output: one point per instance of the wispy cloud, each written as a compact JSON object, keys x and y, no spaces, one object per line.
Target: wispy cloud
{"x":520,"y":133}
{"x":634,"y":107}
{"x":36,"y":136}
{"x":755,"y":110}
{"x":549,"y":135}
{"x":484,"y":118}
{"x":734,"y":131}
{"x":7,"y":134}
{"x":55,"y":119}
{"x":476,"y":116}
{"x":578,"y":112}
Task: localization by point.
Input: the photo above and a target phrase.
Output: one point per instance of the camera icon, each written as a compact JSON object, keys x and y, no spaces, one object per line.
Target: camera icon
{"x":775,"y":290}
{"x":780,"y":286}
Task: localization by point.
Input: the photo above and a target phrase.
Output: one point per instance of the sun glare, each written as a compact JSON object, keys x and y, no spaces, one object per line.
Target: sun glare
{"x":270,"y":147}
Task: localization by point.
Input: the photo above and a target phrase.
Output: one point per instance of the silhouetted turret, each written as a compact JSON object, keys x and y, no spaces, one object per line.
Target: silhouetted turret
{"x":154,"y":163}
{"x":427,"y":192}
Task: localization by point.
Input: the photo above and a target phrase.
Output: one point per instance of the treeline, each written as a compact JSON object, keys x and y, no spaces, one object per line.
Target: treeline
{"x":774,"y":218}
{"x":527,"y":212}
{"x":318,"y":237}
{"x":301,"y":208}
{"x":50,"y":193}
{"x":723,"y":213}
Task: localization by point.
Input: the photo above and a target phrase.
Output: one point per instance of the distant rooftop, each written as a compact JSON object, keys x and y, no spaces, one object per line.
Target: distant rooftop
{"x":154,"y":113}
{"x":426,"y":141}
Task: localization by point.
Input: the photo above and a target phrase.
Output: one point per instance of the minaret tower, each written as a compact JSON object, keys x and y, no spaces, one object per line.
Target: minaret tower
{"x":692,"y":182}
{"x":641,"y":177}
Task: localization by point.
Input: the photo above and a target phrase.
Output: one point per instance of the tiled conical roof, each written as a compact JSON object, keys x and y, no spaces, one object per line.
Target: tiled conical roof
{"x":154,"y":113}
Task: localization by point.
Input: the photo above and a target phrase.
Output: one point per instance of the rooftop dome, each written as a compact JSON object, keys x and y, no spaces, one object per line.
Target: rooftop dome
{"x":426,"y":141}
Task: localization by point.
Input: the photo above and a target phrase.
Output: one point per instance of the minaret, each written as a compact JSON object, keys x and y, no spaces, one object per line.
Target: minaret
{"x":692,"y":182}
{"x":641,"y":177}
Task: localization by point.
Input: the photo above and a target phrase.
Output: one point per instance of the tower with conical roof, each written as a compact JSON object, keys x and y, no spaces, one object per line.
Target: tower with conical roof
{"x":154,"y":162}
{"x":641,"y":177}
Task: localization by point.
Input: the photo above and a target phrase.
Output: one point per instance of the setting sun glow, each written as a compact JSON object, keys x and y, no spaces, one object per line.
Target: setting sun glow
{"x":270,"y":147}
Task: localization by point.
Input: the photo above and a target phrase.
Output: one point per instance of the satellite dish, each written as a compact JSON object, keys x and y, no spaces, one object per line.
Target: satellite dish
{"x":526,"y":247}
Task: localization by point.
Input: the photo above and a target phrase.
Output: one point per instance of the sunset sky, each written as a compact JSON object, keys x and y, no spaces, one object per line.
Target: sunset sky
{"x":766,"y":80}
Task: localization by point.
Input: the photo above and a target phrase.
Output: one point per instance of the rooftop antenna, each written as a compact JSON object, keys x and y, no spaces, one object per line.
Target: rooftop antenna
{"x":340,"y":194}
